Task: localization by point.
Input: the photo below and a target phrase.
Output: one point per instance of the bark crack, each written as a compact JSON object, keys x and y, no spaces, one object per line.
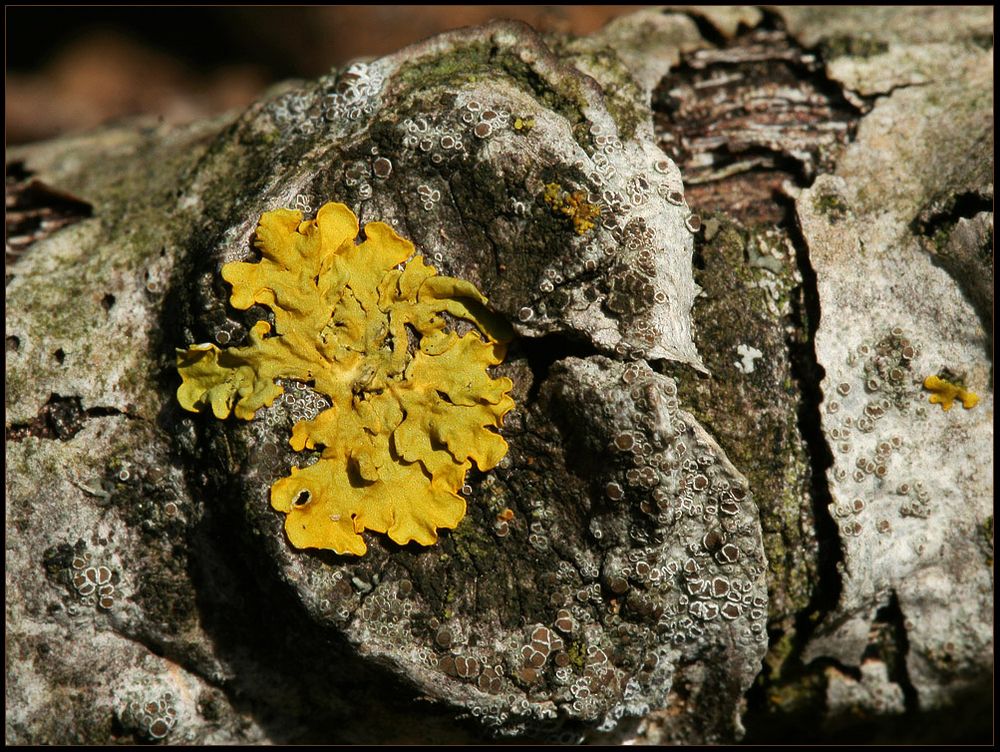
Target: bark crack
{"x":808,"y":373}
{"x":892,"y":646}
{"x":540,"y":353}
{"x":60,"y":418}
{"x":942,"y":217}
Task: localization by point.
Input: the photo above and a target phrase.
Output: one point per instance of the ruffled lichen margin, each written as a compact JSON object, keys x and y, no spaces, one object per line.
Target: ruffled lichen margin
{"x":412,"y":404}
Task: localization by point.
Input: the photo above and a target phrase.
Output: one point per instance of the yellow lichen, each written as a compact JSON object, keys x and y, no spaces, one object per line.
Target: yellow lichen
{"x":412,"y":404}
{"x":573,"y":206}
{"x":945,"y":393}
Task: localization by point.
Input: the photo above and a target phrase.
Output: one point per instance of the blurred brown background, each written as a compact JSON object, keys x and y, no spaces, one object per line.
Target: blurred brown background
{"x":72,"y":68}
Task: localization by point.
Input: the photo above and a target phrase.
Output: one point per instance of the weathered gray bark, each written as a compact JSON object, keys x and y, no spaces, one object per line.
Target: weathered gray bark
{"x":680,"y":480}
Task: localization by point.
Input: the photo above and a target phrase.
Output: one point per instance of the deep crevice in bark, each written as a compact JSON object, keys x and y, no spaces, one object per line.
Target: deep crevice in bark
{"x":809,"y":374}
{"x":890,"y":622}
{"x":541,"y":353}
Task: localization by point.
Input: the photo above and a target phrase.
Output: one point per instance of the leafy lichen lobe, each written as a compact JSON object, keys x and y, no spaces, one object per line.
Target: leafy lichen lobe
{"x":412,"y":404}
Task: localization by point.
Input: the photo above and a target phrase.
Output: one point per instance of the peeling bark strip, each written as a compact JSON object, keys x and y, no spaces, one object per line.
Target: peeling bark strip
{"x":742,"y":119}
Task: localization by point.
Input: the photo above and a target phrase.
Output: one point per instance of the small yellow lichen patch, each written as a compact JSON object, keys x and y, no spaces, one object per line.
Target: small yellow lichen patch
{"x":412,"y":404}
{"x":945,"y":393}
{"x":574,"y":206}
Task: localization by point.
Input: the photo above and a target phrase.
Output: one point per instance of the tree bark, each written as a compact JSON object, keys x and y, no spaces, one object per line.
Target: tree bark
{"x":721,"y":515}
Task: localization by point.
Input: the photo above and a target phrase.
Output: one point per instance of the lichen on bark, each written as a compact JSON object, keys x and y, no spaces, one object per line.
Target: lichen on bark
{"x":616,"y":576}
